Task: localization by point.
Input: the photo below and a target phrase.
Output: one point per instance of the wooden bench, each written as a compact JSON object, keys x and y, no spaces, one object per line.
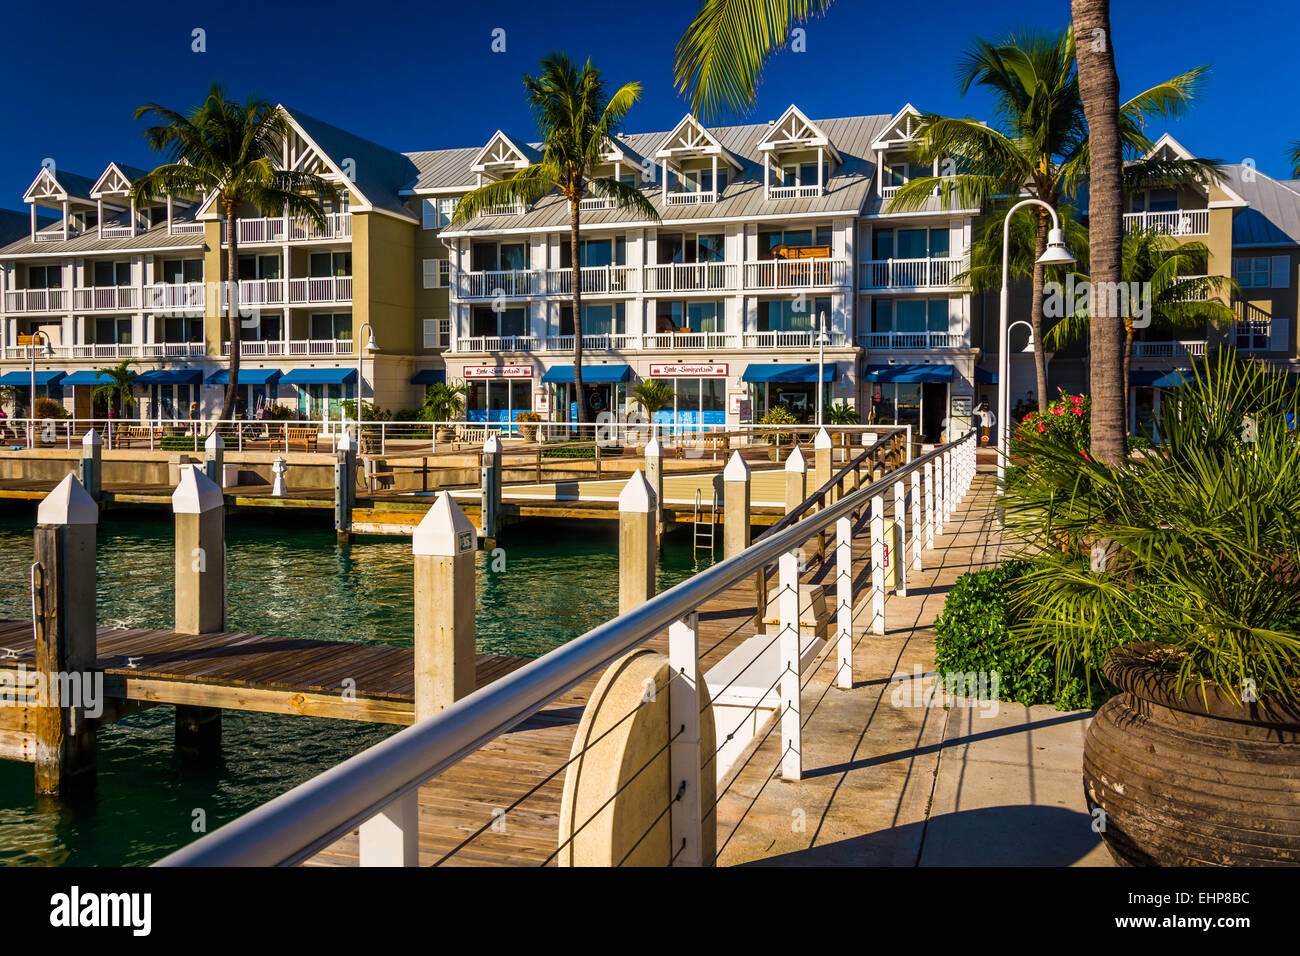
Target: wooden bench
{"x":706,"y":444}
{"x":300,"y":438}
{"x":471,"y":434}
{"x":125,"y":435}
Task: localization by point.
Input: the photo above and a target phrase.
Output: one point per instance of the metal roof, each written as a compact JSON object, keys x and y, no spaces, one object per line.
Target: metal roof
{"x":1273,"y":217}
{"x":155,"y":238}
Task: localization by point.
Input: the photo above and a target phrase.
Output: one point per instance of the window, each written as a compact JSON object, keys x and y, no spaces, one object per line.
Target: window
{"x":912,"y":315}
{"x":437,"y":273}
{"x":696,"y":316}
{"x":113,"y":331}
{"x":488,"y":321}
{"x":44,"y":277}
{"x":331,"y":325}
{"x":595,"y":252}
{"x":183,"y":330}
{"x":497,"y":400}
{"x":818,"y":236}
{"x":1251,"y":272}
{"x":436,"y":213}
{"x":504,"y":257}
{"x":682,"y":247}
{"x":259,"y":267}
{"x":182,"y":270}
{"x":696,"y":401}
{"x":909,"y":244}
{"x":322,"y":265}
{"x":792,"y":315}
{"x":597,"y":319}
{"x":112,"y":273}
{"x":1155,"y":200}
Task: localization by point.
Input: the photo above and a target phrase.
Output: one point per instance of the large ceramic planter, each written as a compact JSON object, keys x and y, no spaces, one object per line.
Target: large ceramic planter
{"x":1190,"y":781}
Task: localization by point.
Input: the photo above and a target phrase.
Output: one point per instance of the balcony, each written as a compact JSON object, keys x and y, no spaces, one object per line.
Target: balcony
{"x":791,"y":340}
{"x":37,"y":300}
{"x":1180,"y":349}
{"x":662,"y":341}
{"x":117,"y":231}
{"x":504,"y":209}
{"x":594,"y":203}
{"x":919,"y":341}
{"x":689,"y":199}
{"x":257,"y":348}
{"x":786,"y":274}
{"x":255,"y":292}
{"x":106,"y":298}
{"x":692,"y":277}
{"x":498,"y":343}
{"x":174,"y":297}
{"x":512,"y":283}
{"x":322,"y":290}
{"x":187,"y":228}
{"x":115,"y":350}
{"x":911,"y":274}
{"x":1176,"y":222}
{"x":794,"y":192}
{"x":273,"y":229}
{"x":595,"y":280}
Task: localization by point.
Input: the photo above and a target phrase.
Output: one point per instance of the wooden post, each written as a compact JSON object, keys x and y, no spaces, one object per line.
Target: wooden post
{"x":490,"y":490}
{"x":878,"y":564}
{"x":929,"y":505}
{"x":345,"y":486}
{"x":637,"y":547}
{"x":917,"y":508}
{"x":443,"y":544}
{"x":215,"y":459}
{"x":200,"y":605}
{"x":788,"y":649}
{"x":735,"y":506}
{"x":654,"y":473}
{"x":687,"y":814}
{"x":844,"y":602}
{"x":64,"y":602}
{"x":822,"y":450}
{"x":796,"y":474}
{"x":92,"y":464}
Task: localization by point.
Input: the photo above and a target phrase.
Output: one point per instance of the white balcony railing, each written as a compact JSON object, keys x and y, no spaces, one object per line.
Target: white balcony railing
{"x":320,"y":347}
{"x":497,"y":343}
{"x":188,"y":228}
{"x":796,"y":274}
{"x":36,"y":300}
{"x":789,"y":340}
{"x":662,"y":341}
{"x":596,"y":280}
{"x":686,"y":339}
{"x":117,"y":231}
{"x":105,"y":298}
{"x":173,"y":349}
{"x":504,"y":209}
{"x":102,"y":350}
{"x":889,"y":192}
{"x":174,"y":297}
{"x":691,"y":277}
{"x":255,"y":292}
{"x":512,"y":283}
{"x":1176,"y":222}
{"x":913,"y":340}
{"x":268,"y":229}
{"x":794,"y":192}
{"x":1183,"y":349}
{"x":54,"y":236}
{"x":593,"y":203}
{"x":690,"y":199}
{"x":599,"y":342}
{"x":911,"y":273}
{"x":321,"y":289}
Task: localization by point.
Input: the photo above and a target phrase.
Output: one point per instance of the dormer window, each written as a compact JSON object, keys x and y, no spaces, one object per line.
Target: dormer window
{"x":798,"y":157}
{"x":695,"y":164}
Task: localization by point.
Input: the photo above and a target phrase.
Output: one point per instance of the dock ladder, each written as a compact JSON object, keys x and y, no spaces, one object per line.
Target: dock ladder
{"x":700,"y":539}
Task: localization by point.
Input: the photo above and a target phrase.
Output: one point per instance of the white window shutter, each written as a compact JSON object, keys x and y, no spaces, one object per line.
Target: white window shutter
{"x":431,"y":333}
{"x":431,"y":273}
{"x":429,"y":213}
{"x":1279,"y":335}
{"x":1281,"y":273}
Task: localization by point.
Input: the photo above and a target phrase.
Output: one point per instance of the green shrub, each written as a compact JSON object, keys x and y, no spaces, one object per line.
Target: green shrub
{"x":973,"y":634}
{"x":181,"y":443}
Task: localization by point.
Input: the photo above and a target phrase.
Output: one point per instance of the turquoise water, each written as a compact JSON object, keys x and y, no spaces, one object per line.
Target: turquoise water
{"x":558,"y":581}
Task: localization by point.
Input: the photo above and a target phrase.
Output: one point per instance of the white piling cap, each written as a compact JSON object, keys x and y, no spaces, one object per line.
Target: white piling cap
{"x":493,"y":445}
{"x":346,"y":443}
{"x":69,"y":503}
{"x":823,"y":439}
{"x":736,"y":469}
{"x":637,"y":497}
{"x":214,"y":443}
{"x":653,"y":449}
{"x":796,"y":461}
{"x":196,"y":494}
{"x":444,"y":531}
{"x":91,"y":439}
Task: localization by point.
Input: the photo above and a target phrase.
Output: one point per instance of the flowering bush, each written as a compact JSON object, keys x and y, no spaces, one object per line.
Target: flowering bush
{"x":1066,"y":419}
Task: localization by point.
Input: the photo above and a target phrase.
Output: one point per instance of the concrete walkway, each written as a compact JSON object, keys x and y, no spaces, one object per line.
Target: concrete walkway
{"x":894,"y":778}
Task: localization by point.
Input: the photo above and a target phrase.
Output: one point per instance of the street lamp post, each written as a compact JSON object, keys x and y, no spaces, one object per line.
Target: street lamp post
{"x":31,"y":399}
{"x":1056,"y":254}
{"x":821,"y":363}
{"x":368,"y":347}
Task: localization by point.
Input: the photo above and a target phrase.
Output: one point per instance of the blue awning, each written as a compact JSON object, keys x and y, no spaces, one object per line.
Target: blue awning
{"x":20,"y":377}
{"x":776,"y":372}
{"x":320,"y":376}
{"x":429,"y":376}
{"x":87,"y":376}
{"x":984,"y":377}
{"x":170,"y":376}
{"x":911,"y":373}
{"x":1157,"y":377}
{"x":247,"y":376}
{"x":591,"y":374}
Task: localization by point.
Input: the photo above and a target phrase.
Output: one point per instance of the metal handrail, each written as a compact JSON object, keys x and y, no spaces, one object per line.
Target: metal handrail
{"x":289,"y":828}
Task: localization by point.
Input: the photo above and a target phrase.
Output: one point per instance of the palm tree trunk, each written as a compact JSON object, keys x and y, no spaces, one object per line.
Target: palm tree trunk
{"x":1036,"y":313}
{"x":1099,"y":89}
{"x":232,"y":310}
{"x":576,"y":277}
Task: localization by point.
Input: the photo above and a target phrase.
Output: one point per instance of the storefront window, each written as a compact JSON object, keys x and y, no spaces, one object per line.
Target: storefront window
{"x":498,"y":399}
{"x":698,"y":401}
{"x":792,"y":315}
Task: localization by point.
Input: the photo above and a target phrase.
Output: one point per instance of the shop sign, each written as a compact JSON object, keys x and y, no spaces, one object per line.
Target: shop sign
{"x":685,"y":370}
{"x":497,"y":371}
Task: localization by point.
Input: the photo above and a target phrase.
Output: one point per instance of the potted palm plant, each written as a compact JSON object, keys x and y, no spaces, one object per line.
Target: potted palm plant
{"x":444,"y":403}
{"x":1176,"y":577}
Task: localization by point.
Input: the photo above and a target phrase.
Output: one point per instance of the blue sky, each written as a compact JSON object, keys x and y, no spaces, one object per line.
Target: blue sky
{"x":422,"y":75}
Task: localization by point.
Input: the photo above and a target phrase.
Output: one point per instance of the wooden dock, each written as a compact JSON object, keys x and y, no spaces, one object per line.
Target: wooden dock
{"x":232,"y":671}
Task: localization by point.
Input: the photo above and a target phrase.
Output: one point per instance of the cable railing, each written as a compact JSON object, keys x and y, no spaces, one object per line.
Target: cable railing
{"x":687,"y":771}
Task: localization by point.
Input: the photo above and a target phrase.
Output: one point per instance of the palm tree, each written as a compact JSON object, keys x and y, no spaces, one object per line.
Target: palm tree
{"x":1181,"y":299}
{"x":232,"y":150}
{"x":1295,"y":159}
{"x":1099,"y":91}
{"x":720,"y":58}
{"x":653,"y":396}
{"x":1042,"y":146}
{"x":117,"y":391}
{"x":576,"y":122}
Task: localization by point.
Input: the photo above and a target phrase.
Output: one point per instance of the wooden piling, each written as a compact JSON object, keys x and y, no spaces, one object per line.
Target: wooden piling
{"x":637,"y":547}
{"x":200,"y":605}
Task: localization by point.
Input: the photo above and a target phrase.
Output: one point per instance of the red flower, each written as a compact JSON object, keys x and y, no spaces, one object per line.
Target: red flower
{"x":1042,"y":427}
{"x":1077,"y":399}
{"x":1058,"y":410}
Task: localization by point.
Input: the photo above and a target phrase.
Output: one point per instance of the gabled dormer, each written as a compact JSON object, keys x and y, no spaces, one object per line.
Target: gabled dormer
{"x":501,"y":158}
{"x":67,"y":192}
{"x":115,"y":210}
{"x":696,"y":165}
{"x":893,"y":149}
{"x":615,"y":163}
{"x":1181,"y":209}
{"x":798,"y":157}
